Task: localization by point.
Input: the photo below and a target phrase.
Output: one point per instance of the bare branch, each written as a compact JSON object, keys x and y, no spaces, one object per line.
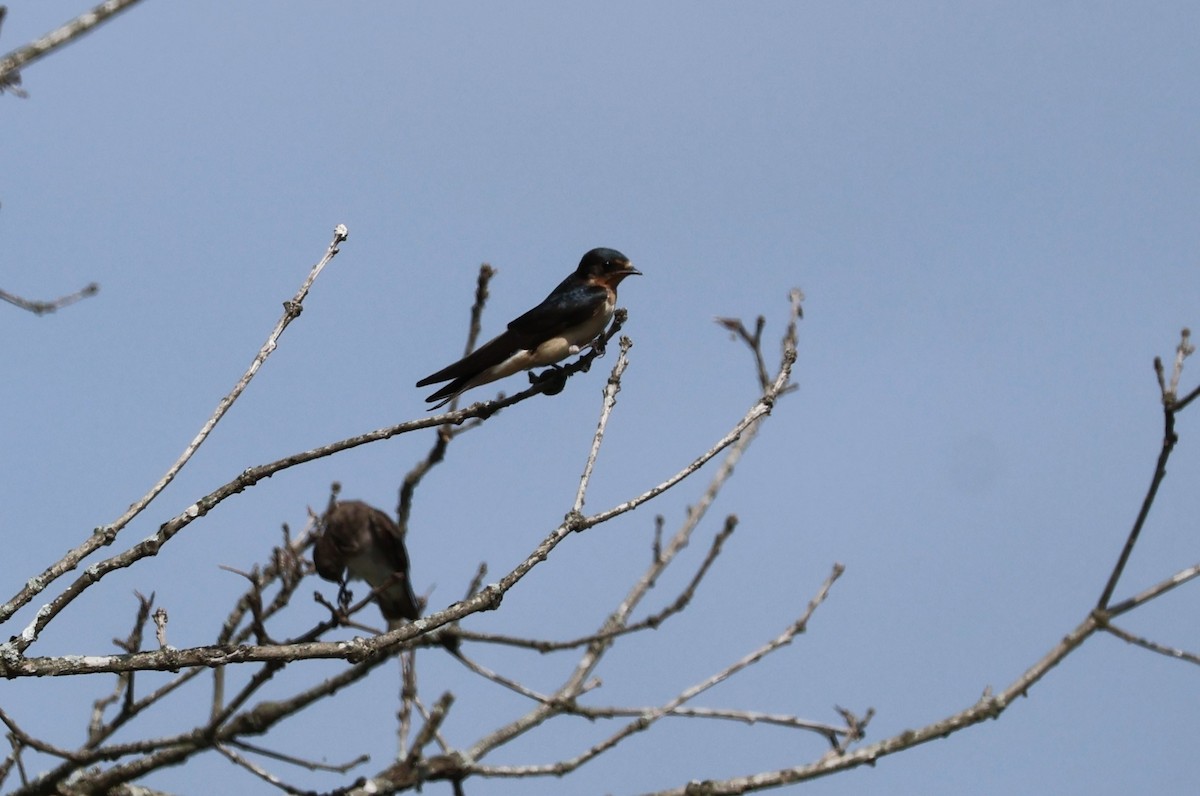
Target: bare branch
{"x":45,"y":307}
{"x":429,"y":731}
{"x":1144,"y":643}
{"x":259,"y":771}
{"x":486,"y":272}
{"x":754,"y":341}
{"x":499,"y":679}
{"x":1182,"y":352}
{"x":132,"y":643}
{"x":611,"y":388}
{"x":1178,"y":579}
{"x":1170,"y":408}
{"x":829,"y":731}
{"x":311,"y":765}
{"x":12,"y":63}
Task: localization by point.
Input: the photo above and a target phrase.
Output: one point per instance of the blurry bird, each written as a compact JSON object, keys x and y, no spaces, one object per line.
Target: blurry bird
{"x":572,"y":316}
{"x":359,"y":542}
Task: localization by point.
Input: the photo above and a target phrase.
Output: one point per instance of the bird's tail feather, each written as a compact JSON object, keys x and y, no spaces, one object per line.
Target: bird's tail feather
{"x":490,"y":353}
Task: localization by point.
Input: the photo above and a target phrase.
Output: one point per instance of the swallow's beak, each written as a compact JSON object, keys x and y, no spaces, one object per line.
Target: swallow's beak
{"x":629,"y":270}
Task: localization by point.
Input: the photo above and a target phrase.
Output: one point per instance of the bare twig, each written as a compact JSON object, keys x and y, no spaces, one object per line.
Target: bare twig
{"x":829,"y":731}
{"x":408,"y":695}
{"x":1161,"y":649}
{"x":477,"y":580}
{"x":499,"y":679}
{"x":260,"y":772}
{"x":133,"y":643}
{"x":429,"y":730}
{"x":311,"y":765}
{"x":611,"y":388}
{"x":1182,"y":352}
{"x":1160,"y":588}
{"x":738,"y":329}
{"x":1170,"y":408}
{"x":12,"y":63}
{"x":45,"y":307}
{"x":28,"y":740}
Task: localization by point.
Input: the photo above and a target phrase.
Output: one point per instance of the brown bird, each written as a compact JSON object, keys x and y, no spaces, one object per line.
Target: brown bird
{"x":360,"y":542}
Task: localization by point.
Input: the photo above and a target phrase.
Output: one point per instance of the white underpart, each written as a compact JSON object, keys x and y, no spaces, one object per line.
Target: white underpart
{"x":368,"y":567}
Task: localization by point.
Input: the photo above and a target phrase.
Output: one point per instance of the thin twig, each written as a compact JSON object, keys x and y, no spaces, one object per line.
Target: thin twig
{"x":754,"y":341}
{"x":742,"y":716}
{"x":429,"y":730}
{"x":1160,"y":467}
{"x":499,"y":679}
{"x":611,"y":388}
{"x":44,"y":307}
{"x":132,"y":643}
{"x":260,"y":772}
{"x":408,"y":695}
{"x":12,"y":63}
{"x":1144,"y":643}
{"x":1160,"y":588}
{"x":311,"y":765}
{"x":33,"y":743}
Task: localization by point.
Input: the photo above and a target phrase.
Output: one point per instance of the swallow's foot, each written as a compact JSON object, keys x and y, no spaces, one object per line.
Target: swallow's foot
{"x":552,"y":380}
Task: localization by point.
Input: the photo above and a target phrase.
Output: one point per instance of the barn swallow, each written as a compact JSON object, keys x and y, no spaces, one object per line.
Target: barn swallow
{"x":362,"y":543}
{"x":573,"y":315}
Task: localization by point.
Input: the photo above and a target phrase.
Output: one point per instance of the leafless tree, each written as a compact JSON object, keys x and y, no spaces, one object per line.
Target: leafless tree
{"x":247,"y":639}
{"x":238,"y":721}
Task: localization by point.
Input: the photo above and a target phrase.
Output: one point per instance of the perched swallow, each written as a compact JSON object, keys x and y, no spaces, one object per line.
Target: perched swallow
{"x":572,"y":316}
{"x":360,"y":542}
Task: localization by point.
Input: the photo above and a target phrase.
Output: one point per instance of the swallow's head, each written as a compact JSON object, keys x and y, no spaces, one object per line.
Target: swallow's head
{"x":606,"y":266}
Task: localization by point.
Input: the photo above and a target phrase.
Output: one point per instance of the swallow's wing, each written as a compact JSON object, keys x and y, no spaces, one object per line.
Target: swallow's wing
{"x":567,"y":306}
{"x":396,"y":598}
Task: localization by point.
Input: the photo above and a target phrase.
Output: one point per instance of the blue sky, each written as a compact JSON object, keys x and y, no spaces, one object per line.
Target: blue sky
{"x":991,"y":208}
